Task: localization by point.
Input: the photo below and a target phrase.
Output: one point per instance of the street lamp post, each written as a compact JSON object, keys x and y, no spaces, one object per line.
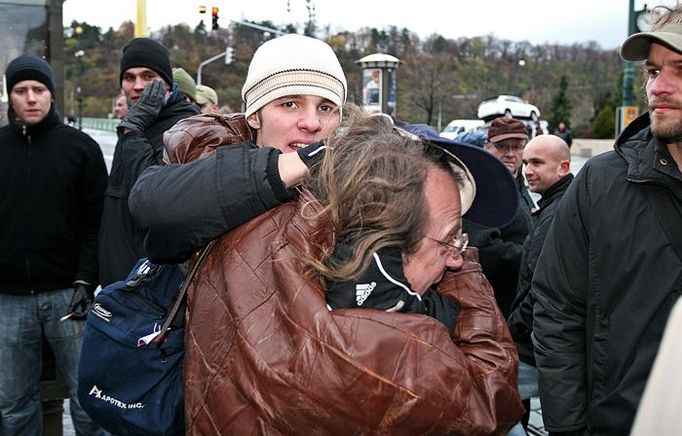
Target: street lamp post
{"x":629,"y":110}
{"x":79,"y":92}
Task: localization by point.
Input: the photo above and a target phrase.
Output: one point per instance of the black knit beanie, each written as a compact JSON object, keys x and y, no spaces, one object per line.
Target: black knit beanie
{"x":147,"y":53}
{"x":29,"y":67}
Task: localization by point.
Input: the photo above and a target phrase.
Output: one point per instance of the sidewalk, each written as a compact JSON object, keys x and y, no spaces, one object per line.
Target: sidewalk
{"x":591,"y":147}
{"x":535,"y":425}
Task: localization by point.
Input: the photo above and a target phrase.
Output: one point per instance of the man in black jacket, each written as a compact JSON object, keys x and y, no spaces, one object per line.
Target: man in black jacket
{"x":611,"y":267}
{"x":147,"y":82}
{"x":547,"y":160}
{"x":53,"y":179}
{"x":500,"y":247}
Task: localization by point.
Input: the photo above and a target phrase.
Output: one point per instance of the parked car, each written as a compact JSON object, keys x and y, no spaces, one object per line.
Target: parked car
{"x":455,"y":127}
{"x":508,"y":106}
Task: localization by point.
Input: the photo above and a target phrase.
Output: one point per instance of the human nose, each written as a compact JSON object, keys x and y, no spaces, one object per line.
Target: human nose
{"x":310,"y":120}
{"x":660,"y":84}
{"x":30,"y":95}
{"x":508,"y":150}
{"x":140,"y":83}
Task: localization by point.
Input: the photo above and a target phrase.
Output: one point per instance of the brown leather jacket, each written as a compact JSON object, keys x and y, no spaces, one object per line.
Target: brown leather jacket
{"x":264,"y":355}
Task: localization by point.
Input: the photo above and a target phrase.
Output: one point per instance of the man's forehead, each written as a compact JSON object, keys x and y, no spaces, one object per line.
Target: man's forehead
{"x":443,"y":199}
{"x":29,"y":84}
{"x":136,"y":71}
{"x":511,"y":141}
{"x":299,"y":97}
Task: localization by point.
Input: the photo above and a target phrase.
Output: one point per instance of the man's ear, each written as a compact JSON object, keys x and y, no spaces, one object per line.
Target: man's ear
{"x":254,"y":120}
{"x":564,"y":167}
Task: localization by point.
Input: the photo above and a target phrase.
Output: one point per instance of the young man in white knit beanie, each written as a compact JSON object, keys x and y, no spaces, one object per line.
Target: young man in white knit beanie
{"x":294,"y":92}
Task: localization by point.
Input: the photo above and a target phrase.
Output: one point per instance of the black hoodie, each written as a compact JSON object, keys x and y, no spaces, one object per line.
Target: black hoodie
{"x":53,"y":179}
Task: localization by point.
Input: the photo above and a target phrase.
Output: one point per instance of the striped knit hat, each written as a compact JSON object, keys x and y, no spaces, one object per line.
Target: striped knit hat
{"x":293,"y":65}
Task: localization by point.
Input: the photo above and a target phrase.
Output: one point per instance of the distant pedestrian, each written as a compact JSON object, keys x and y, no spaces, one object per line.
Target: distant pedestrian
{"x":147,"y":82}
{"x":500,"y":247}
{"x":611,"y":267}
{"x":120,"y":106}
{"x":53,"y":179}
{"x":207,"y":99}
{"x":547,"y":161}
{"x":563,"y":132}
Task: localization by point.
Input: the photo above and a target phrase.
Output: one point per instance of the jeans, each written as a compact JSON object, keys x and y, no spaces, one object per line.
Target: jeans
{"x":528,"y":381}
{"x":25,"y":319}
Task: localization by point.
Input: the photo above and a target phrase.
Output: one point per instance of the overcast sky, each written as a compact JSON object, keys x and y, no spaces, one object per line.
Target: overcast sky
{"x":537,"y":21}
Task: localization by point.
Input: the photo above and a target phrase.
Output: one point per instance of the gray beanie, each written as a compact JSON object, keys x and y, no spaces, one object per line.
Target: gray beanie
{"x":293,"y":65}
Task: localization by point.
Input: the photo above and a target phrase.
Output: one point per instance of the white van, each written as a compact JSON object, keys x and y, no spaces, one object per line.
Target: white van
{"x":455,"y":127}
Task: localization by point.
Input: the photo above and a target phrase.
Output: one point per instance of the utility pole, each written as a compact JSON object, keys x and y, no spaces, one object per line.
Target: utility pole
{"x":628,"y":96}
{"x":141,"y":21}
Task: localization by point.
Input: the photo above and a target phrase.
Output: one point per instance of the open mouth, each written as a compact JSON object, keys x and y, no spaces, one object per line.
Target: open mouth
{"x":298,"y":145}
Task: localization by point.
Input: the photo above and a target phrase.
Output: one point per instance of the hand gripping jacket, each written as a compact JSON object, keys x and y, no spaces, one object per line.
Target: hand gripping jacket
{"x":264,"y":355}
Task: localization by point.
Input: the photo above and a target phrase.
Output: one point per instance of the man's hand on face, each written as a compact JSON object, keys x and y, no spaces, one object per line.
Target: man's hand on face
{"x":145,"y":111}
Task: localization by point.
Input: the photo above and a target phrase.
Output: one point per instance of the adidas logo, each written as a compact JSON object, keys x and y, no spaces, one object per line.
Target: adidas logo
{"x":362,"y":291}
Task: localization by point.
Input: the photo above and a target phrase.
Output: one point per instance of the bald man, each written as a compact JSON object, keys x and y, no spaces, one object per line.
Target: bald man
{"x":548,"y":160}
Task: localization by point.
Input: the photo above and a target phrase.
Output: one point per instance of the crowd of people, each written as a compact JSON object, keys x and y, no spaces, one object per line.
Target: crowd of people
{"x":367,"y":276}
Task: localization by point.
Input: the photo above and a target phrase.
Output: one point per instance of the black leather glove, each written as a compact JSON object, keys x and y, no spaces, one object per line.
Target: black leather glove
{"x":312,"y":154}
{"x":81,"y":300}
{"x":145,"y":111}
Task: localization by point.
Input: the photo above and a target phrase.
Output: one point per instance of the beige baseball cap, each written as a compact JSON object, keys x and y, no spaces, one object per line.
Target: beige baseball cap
{"x":637,"y":46}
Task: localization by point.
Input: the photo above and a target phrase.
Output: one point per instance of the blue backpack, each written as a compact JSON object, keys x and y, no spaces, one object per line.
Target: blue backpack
{"x":130,"y":371}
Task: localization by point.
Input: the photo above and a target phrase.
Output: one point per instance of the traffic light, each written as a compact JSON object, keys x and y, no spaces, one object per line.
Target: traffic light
{"x":214,"y":15}
{"x":202,"y":9}
{"x":229,"y":55}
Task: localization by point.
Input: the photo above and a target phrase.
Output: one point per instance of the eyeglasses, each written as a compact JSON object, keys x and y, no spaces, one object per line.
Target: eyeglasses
{"x":456,"y":245}
{"x":505,"y":146}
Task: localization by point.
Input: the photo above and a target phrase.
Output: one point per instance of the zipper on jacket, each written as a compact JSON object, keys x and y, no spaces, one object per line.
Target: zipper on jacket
{"x":28,"y":189}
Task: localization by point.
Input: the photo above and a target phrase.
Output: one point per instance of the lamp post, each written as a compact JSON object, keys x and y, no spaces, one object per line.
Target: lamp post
{"x":79,"y":92}
{"x":628,"y":96}
{"x":629,"y":110}
{"x":379,"y":83}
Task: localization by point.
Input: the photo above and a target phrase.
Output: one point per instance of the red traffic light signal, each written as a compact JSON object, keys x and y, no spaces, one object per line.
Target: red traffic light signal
{"x":214,"y":14}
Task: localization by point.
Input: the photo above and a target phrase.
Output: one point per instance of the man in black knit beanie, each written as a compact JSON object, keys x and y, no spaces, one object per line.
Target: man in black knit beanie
{"x":146,"y":79}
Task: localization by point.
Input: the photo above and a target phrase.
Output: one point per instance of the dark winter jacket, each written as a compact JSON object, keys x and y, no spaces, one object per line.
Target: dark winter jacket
{"x":605,"y":283}
{"x":500,"y":249}
{"x":120,"y":243}
{"x":521,"y":318}
{"x":166,"y":200}
{"x":53,"y":179}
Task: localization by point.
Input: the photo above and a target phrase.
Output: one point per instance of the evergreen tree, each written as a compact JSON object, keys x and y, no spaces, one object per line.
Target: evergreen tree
{"x":604,"y":124}
{"x":560,"y":107}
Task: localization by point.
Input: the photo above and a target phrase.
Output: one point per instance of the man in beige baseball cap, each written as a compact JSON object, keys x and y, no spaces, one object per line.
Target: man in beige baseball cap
{"x":207,"y":99}
{"x":603,"y":286}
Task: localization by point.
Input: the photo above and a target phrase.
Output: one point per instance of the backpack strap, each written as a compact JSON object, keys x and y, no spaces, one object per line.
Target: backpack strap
{"x":182,"y":292}
{"x":668,"y":216}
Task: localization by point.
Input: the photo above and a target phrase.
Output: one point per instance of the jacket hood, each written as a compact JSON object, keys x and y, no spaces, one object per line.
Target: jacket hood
{"x":644,"y":154}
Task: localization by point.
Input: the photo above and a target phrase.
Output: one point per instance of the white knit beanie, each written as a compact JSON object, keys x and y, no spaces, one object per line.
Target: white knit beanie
{"x":293,"y":65}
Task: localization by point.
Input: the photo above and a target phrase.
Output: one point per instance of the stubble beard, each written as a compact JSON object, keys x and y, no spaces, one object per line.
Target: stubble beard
{"x":666,"y":129}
